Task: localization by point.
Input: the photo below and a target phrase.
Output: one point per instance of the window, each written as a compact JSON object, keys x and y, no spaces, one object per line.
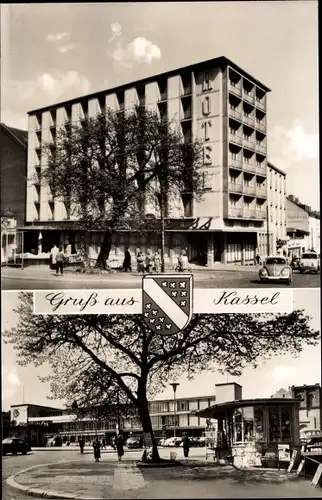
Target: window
{"x":183,"y":405}
{"x":238,"y":426}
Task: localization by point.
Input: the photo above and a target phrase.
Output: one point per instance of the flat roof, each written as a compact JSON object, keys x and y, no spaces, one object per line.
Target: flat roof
{"x":220,"y":61}
{"x":220,"y":408}
{"x":37,"y":406}
{"x":274,"y":167}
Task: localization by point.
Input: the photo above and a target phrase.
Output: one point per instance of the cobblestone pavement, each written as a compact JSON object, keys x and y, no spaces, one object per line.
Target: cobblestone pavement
{"x":79,"y":476}
{"x":39,"y":279}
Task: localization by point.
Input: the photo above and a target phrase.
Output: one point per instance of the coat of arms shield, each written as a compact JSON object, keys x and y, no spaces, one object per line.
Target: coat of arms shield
{"x":167,"y":302}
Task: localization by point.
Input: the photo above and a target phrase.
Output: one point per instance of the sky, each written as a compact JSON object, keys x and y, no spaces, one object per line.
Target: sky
{"x":268,"y":378}
{"x":53,"y":52}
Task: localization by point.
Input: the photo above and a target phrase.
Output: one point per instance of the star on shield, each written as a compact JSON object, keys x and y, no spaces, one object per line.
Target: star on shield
{"x":167,"y":302}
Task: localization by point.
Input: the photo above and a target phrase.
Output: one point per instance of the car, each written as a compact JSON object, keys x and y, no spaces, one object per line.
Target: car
{"x":173,"y":441}
{"x":295,"y":263}
{"x":161,"y":442}
{"x":276,"y":268}
{"x":133,"y":442}
{"x":309,"y":262}
{"x":202,"y":441}
{"x":15,"y":445}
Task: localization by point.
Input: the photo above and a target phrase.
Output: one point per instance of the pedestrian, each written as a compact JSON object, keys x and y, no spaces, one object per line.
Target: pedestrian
{"x":60,"y":258}
{"x":97,"y":449}
{"x":120,"y":446}
{"x":149,"y":261}
{"x":103,"y":443}
{"x":185,"y":445}
{"x":81,"y":443}
{"x":157,"y":262}
{"x":127,"y":260}
{"x":140,"y":262}
{"x":183,"y":261}
{"x":53,"y":253}
{"x":258,"y":259}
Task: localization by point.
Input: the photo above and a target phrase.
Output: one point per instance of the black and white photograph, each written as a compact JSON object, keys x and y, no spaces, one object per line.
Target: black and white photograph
{"x":162,"y":137}
{"x":228,"y":408}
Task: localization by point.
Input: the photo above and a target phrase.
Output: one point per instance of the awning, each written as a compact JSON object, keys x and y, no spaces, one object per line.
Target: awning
{"x":219,"y":409}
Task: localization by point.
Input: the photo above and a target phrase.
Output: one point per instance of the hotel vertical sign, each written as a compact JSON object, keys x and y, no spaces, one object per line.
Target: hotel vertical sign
{"x":206,"y":124}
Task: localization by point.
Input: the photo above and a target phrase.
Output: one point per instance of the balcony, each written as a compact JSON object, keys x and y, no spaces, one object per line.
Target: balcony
{"x":249,"y":120}
{"x":260,"y":214}
{"x":235,"y":138}
{"x":235,"y":113}
{"x":249,"y":144}
{"x":261,"y":170}
{"x":235,"y":187}
{"x":234,"y":163}
{"x":261,"y":148}
{"x":260,"y":104}
{"x":235,"y":213}
{"x":249,"y":167}
{"x":235,"y":88}
{"x":261,"y":126}
{"x":261,"y":192}
{"x":163,"y":96}
{"x":251,"y":190}
{"x":249,"y":97}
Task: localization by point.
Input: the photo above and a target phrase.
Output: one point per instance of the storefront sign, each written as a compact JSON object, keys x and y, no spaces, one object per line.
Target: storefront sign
{"x":284,"y":452}
{"x":292,"y":462}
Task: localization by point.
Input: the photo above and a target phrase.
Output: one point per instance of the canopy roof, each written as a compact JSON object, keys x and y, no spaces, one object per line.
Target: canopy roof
{"x":221,"y":408}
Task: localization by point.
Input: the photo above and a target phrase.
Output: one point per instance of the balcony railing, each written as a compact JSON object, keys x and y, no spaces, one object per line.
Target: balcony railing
{"x":235,"y":212}
{"x":261,"y":126}
{"x":249,"y":167}
{"x":245,"y":213}
{"x":261,"y":192}
{"x":163,"y":96}
{"x":235,"y":88}
{"x":261,"y":170}
{"x":248,"y":97}
{"x":233,"y":162}
{"x":260,"y":214}
{"x":235,"y":138}
{"x":249,"y":144}
{"x":261,"y":148}
{"x":235,"y":187}
{"x":249,"y":120}
{"x":260,"y":104}
{"x":235,"y":114}
{"x":249,"y":190}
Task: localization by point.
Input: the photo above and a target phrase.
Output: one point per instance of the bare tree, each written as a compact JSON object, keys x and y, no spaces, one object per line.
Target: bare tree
{"x":124,"y":353}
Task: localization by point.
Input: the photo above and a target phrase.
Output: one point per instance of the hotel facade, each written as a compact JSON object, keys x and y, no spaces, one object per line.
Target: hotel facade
{"x":215,"y":101}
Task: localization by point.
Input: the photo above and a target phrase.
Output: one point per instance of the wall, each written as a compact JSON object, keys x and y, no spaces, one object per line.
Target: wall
{"x":13,"y":162}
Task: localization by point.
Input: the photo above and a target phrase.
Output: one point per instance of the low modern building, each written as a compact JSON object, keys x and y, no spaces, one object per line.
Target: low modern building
{"x":215,"y":101}
{"x":303,"y":227}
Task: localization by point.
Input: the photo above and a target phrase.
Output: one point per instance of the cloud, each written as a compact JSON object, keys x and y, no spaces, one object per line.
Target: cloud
{"x":293,"y":145}
{"x":66,"y":48}
{"x":138,"y":50}
{"x":57,"y":37}
{"x":143,"y":50}
{"x":116,"y":29}
{"x":10,"y":382}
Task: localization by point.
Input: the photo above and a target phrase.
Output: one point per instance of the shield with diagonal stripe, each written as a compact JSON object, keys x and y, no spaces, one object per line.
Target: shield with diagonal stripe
{"x":167,"y":302}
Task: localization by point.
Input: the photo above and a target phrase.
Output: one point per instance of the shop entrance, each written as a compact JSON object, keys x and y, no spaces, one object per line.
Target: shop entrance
{"x":198,"y":248}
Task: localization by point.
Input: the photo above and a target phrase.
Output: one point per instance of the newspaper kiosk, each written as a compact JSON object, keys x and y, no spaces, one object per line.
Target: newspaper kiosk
{"x":255,"y":432}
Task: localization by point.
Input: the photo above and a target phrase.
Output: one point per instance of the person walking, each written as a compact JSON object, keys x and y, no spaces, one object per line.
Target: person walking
{"x":81,"y":443}
{"x":149,"y":261}
{"x":140,"y":262}
{"x":53,"y":253}
{"x":120,"y":446}
{"x":60,"y":259}
{"x":97,"y":449}
{"x":183,"y":261}
{"x":127,"y":260}
{"x":258,"y":259}
{"x":185,"y":445}
{"x":157,"y":262}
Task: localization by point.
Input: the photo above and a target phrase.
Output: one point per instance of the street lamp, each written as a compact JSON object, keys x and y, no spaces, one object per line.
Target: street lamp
{"x":174,"y":387}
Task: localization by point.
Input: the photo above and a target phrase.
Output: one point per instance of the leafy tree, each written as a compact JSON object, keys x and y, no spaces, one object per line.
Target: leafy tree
{"x":108,"y":168}
{"x":91,"y":355}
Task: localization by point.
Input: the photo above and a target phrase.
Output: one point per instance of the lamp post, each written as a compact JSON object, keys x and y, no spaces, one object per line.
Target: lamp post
{"x":174,"y":387}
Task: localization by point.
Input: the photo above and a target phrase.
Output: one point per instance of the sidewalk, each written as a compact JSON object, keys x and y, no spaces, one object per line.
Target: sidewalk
{"x":42,"y":272}
{"x":107,"y":479}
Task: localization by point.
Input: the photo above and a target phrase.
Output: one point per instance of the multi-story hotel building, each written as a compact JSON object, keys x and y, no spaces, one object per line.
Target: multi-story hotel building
{"x":275,"y":225}
{"x":214,"y":100}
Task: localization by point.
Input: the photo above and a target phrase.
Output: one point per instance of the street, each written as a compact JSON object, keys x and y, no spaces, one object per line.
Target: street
{"x":43,"y":279}
{"x":75,"y":474}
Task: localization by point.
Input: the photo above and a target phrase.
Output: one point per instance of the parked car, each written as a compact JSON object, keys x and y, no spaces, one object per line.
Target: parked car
{"x":133,"y":442}
{"x":173,"y":441}
{"x":295,"y":263}
{"x":15,"y":445}
{"x":161,"y":442}
{"x":276,"y":268}
{"x":202,"y":441}
{"x":309,"y":262}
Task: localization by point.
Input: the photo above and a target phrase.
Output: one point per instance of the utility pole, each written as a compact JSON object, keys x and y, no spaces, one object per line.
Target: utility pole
{"x":174,"y":387}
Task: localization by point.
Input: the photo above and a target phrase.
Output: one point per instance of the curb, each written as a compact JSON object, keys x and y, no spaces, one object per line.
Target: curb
{"x":11,"y":481}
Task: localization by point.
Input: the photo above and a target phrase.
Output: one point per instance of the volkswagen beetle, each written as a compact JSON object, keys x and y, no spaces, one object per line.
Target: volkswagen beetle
{"x":276,"y":268}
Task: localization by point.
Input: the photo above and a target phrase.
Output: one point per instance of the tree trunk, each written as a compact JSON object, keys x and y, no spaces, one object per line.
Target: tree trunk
{"x":105,"y":249}
{"x":162,"y":214}
{"x":145,"y":420}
